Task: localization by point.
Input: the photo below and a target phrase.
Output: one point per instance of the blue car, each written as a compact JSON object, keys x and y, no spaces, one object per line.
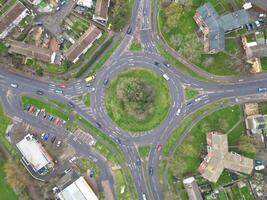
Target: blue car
{"x":262,"y":89}
{"x":45,"y":136}
{"x":258,"y":162}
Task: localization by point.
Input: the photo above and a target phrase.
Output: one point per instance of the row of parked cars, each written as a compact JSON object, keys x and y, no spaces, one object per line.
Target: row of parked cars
{"x":41,"y":113}
{"x":45,"y":137}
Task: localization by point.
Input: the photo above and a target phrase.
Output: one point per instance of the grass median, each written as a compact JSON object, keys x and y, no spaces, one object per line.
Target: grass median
{"x":137,"y":99}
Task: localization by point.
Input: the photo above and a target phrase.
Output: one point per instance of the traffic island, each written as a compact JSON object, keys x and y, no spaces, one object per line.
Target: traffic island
{"x":137,"y":100}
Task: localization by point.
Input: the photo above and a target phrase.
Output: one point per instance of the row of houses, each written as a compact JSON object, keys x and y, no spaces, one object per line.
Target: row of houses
{"x":18,"y":12}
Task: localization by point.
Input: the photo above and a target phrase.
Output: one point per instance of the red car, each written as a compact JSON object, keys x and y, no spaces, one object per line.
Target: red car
{"x":62,"y":86}
{"x":159,"y":147}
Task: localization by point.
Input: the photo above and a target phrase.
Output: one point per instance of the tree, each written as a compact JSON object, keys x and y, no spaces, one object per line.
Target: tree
{"x":39,"y":71}
{"x":173,"y":12}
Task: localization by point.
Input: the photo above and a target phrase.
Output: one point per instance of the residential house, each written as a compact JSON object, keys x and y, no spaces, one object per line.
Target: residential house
{"x":192,"y":189}
{"x":85,"y":3}
{"x":79,"y":190}
{"x":34,"y":155}
{"x":214,"y":26}
{"x":101,"y":11}
{"x":35,"y":2}
{"x":259,"y":5}
{"x":219,"y":158}
{"x":82,"y":45}
{"x":34,"y":52}
{"x":256,"y":123}
{"x":12,"y":18}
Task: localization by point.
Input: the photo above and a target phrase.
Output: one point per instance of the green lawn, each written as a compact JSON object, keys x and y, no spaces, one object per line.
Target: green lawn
{"x":120,"y":182}
{"x":190,"y":93}
{"x":3,"y":49}
{"x":264,"y":64}
{"x":185,"y":28}
{"x":51,"y":106}
{"x":125,"y":114}
{"x":5,"y":189}
{"x":87,"y":164}
{"x":246,"y":194}
{"x":136,"y":46}
{"x":144,"y":151}
{"x":263,"y":107}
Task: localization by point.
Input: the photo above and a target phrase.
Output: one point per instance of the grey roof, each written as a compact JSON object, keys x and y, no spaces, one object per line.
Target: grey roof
{"x":260,"y":4}
{"x":234,"y":20}
{"x":217,"y":25}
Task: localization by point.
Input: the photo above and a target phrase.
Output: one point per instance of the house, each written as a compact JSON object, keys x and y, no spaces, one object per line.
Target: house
{"x":34,"y":52}
{"x":214,"y":26}
{"x":82,"y":44}
{"x":219,"y":158}
{"x":256,"y":123}
{"x":35,"y":2}
{"x":12,"y":18}
{"x":192,"y":189}
{"x":34,"y":155}
{"x":79,"y":190}
{"x":101,"y":11}
{"x":259,"y":5}
{"x":257,"y":51}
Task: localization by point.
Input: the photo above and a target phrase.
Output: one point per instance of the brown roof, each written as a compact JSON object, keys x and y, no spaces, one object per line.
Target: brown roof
{"x":82,"y":43}
{"x":101,"y":8}
{"x":53,"y":45}
{"x":11,"y":15}
{"x":257,"y":51}
{"x":262,"y":4}
{"x":219,"y":158}
{"x":29,"y":50}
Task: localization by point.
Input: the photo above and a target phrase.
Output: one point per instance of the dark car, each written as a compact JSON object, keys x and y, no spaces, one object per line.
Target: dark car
{"x":53,"y":139}
{"x":39,"y":92}
{"x":98,"y":125}
{"x":189,"y":103}
{"x":129,"y":30}
{"x":156,"y":63}
{"x":71,"y":104}
{"x":151,"y":171}
{"x":138,"y":161}
{"x":91,"y":173}
{"x":106,"y":81}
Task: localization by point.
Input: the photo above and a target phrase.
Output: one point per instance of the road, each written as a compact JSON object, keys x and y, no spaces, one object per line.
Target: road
{"x":231,"y":87}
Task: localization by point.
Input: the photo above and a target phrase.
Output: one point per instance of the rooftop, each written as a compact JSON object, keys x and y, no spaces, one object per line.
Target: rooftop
{"x":257,"y":51}
{"x":33,"y":152}
{"x":101,"y":9}
{"x":260,"y":3}
{"x":192,"y":189}
{"x":218,"y":158}
{"x":78,"y":190}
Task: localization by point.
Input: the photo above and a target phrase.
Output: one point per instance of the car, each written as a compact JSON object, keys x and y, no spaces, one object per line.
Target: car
{"x":262,"y":15}
{"x":258,"y":162}
{"x":166,"y":64}
{"x":259,"y":167}
{"x":144,"y":196}
{"x":257,"y":23}
{"x":129,"y":30}
{"x":178,"y":112}
{"x":159,"y":147}
{"x":28,"y":107}
{"x":90,"y":78}
{"x":72,"y":159}
{"x":252,"y":25}
{"x":59,"y":143}
{"x":53,"y":139}
{"x":189,"y":104}
{"x":248,"y":27}
{"x":166,"y":77}
{"x":150,"y":171}
{"x":105,"y":81}
{"x":67,"y":170}
{"x":37,"y":112}
{"x":59,"y":91}
{"x":14,"y":85}
{"x":50,"y":118}
{"x":71,"y":104}
{"x":45,"y":136}
{"x":262,"y":89}
{"x":62,"y":86}
{"x":91,"y":174}
{"x":91,"y":89}
{"x":98,"y":125}
{"x":138,"y":161}
{"x":89,"y":85}
{"x":156,"y":63}
{"x":39,"y":92}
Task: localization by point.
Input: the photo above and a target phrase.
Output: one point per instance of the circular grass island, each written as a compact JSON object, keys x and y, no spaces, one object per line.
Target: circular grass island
{"x":137,"y":99}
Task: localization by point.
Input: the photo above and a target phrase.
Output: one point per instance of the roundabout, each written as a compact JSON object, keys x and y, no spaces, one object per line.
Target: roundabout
{"x":137,"y":99}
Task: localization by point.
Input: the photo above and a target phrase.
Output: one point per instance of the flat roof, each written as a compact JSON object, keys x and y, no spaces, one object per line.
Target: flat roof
{"x":33,"y":152}
{"x":78,"y":190}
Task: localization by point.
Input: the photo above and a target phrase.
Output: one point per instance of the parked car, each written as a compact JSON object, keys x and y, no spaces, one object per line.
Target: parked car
{"x":105,"y":81}
{"x":72,"y":159}
{"x":98,"y":125}
{"x":259,"y":167}
{"x":45,"y":136}
{"x":258,"y":162}
{"x":39,"y":92}
{"x":53,"y":139}
{"x":59,"y":143}
{"x":91,"y":174}
{"x":262,"y":89}
{"x":59,"y":91}
{"x":129,"y":30}
{"x":14,"y":85}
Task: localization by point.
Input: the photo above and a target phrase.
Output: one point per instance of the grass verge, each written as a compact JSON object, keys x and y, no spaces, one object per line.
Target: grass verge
{"x":144,"y":151}
{"x":190,"y":93}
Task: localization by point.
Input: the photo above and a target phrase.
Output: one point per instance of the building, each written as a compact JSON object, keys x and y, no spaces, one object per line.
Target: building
{"x":259,"y":5}
{"x":256,"y":123}
{"x":35,"y":2}
{"x":34,"y":52}
{"x":34,"y":154}
{"x":192,"y":189}
{"x":12,"y":18}
{"x":78,"y":190}
{"x":101,"y":11}
{"x":82,"y":45}
{"x":219,"y":158}
{"x":85,"y":3}
{"x":258,"y":51}
{"x":214,"y":26}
